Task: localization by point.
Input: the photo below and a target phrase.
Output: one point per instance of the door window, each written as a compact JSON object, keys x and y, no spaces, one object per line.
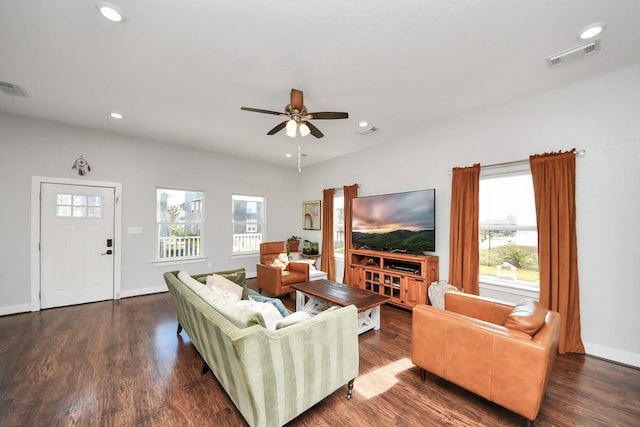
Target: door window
{"x":78,"y":206}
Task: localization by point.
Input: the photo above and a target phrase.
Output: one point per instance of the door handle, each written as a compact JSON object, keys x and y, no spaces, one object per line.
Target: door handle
{"x":109,"y":252}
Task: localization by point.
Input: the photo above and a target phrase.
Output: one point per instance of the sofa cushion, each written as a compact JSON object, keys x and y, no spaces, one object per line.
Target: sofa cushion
{"x":269,"y":312}
{"x":191,"y":283}
{"x":208,"y":295}
{"x":241,"y":317}
{"x":275,"y":301}
{"x":527,"y":316}
{"x":217,"y":281}
{"x":292,"y":319}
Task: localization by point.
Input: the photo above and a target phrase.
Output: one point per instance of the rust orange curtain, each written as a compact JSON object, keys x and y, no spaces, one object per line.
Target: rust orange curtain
{"x":350,"y":193}
{"x":554,"y":188}
{"x":326,"y":261}
{"x":464,"y":254}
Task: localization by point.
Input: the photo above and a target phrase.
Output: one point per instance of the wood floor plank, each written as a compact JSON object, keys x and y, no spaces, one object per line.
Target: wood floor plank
{"x":121,"y":363}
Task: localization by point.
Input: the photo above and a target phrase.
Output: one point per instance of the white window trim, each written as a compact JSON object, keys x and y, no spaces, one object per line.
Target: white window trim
{"x":175,"y":261}
{"x":516,"y":287}
{"x":339,"y":193}
{"x":181,"y":260}
{"x":249,"y":254}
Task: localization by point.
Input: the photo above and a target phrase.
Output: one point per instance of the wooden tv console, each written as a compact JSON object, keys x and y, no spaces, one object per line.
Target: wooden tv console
{"x":405,"y":278}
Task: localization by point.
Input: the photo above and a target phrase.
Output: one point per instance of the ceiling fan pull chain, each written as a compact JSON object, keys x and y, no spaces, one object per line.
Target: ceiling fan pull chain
{"x":299,"y":156}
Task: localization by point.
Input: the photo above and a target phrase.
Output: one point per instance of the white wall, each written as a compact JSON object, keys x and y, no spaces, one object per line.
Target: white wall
{"x":601,"y":116}
{"x":39,"y":148}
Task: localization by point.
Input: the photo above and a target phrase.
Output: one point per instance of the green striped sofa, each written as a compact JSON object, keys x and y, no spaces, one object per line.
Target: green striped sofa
{"x":271,"y":376}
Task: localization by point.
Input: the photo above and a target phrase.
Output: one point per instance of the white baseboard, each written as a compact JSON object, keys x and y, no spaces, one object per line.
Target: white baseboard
{"x":143,"y":291}
{"x":15,"y":309}
{"x":612,"y":354}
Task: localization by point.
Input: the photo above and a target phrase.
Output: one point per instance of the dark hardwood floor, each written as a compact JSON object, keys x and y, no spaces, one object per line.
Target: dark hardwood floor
{"x":120,"y":363}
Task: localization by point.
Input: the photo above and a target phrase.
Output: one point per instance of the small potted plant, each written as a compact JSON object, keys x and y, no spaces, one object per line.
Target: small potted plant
{"x":293,"y":243}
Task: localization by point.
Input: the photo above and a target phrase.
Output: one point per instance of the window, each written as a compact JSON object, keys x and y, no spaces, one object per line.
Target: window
{"x":508,"y":232}
{"x":180,"y":219}
{"x":78,"y":206}
{"x":338,"y":225}
{"x":248,"y":219}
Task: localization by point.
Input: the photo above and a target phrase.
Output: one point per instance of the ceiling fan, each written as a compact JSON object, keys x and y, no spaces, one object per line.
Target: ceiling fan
{"x":298,"y":117}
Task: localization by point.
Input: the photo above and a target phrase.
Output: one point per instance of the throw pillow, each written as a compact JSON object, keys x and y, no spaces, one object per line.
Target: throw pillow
{"x":527,"y":316}
{"x":292,"y":319}
{"x":229,"y":296}
{"x":275,"y":301}
{"x":436,"y":293}
{"x":270,"y":314}
{"x":281,"y":262}
{"x":208,"y":296}
{"x":218,"y":281}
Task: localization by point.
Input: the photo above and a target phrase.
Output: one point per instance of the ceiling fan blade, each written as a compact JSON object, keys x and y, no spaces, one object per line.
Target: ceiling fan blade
{"x":258,"y":110}
{"x":297,"y":99}
{"x":278,"y":128}
{"x":327,"y":115}
{"x":314,"y":130}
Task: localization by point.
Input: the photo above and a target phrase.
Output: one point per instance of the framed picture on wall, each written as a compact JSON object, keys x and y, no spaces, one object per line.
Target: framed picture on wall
{"x":311,"y":215}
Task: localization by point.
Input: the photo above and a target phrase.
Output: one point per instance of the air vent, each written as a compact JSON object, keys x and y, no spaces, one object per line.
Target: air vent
{"x":573,"y":53}
{"x":11,"y":89}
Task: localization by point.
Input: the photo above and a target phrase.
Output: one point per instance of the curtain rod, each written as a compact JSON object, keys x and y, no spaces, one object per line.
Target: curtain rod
{"x":578,"y":153}
{"x":342,"y":188}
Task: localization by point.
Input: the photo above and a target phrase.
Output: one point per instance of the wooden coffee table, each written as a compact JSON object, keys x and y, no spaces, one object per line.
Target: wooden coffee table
{"x":315,"y":297}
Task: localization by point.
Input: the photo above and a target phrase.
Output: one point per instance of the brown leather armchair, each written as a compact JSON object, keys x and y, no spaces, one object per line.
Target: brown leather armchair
{"x":502,"y":352}
{"x":276,"y":273}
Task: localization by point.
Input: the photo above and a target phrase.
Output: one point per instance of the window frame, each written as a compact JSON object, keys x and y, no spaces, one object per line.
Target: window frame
{"x":199,"y":223}
{"x":338,"y":195}
{"x":260,"y":225}
{"x":493,"y":283}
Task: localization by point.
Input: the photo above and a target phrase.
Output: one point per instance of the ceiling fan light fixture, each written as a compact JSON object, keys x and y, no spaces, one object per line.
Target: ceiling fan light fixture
{"x":304,"y":129}
{"x":291,"y":128}
{"x":298,"y":117}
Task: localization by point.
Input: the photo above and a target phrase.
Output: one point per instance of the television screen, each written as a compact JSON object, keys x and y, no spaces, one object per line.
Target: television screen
{"x":398,"y":222}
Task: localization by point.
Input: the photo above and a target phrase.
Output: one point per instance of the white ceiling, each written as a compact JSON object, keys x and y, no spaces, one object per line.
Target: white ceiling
{"x":179,"y":71}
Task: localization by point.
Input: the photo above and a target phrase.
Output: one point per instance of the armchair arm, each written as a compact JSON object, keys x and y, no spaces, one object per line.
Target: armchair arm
{"x":522,"y":369}
{"x":269,"y":278}
{"x":300,"y":266}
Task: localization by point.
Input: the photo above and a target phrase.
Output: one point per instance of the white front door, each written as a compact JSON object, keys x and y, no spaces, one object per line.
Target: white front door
{"x":76,"y":244}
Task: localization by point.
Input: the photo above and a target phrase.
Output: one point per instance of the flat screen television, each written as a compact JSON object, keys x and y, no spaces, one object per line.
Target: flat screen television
{"x":397,"y":222}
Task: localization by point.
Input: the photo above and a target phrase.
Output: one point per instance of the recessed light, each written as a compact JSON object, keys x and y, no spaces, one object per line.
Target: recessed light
{"x":288,"y":155}
{"x":363,"y":123}
{"x":116,"y":115}
{"x":110,"y":11}
{"x":592,"y":30}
